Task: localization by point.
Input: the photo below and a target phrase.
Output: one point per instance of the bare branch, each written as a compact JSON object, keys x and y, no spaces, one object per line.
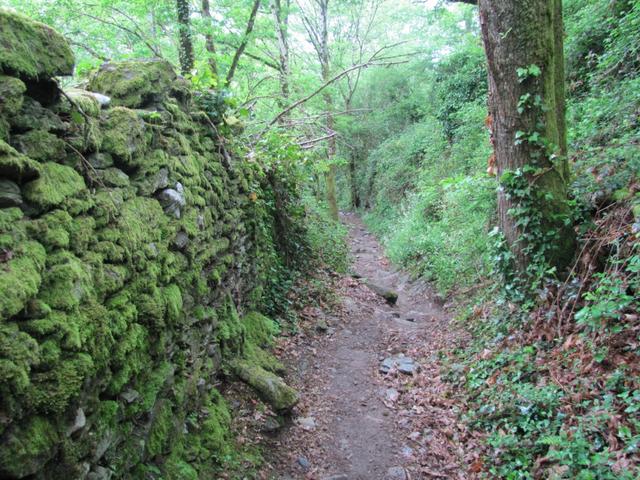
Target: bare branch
{"x":260,"y":59}
{"x":334,"y":79}
{"x":311,"y":143}
{"x":89,"y":50}
{"x":119,"y":26}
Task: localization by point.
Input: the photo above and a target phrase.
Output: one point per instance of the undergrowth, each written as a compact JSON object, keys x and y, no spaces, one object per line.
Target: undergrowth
{"x":551,"y":374}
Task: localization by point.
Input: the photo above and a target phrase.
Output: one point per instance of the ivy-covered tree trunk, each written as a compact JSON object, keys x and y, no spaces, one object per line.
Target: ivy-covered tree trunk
{"x":523,"y":44}
{"x":184,"y":30}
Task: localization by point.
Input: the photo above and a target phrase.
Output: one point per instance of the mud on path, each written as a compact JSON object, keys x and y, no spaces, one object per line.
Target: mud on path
{"x":354,"y":422}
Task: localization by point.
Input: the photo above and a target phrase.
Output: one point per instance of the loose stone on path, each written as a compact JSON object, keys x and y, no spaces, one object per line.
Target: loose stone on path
{"x":400,"y":363}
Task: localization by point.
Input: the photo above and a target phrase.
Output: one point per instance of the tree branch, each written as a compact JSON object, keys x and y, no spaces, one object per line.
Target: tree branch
{"x":334,"y":79}
{"x":310,"y":143}
{"x":243,"y":43}
{"x":260,"y":59}
{"x":89,"y":50}
{"x":126,"y":29}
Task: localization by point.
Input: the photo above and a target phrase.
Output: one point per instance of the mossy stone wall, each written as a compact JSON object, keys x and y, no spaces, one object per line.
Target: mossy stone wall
{"x":128,"y":244}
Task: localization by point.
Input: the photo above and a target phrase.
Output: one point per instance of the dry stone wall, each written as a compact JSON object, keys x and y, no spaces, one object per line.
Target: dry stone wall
{"x":129,"y":241}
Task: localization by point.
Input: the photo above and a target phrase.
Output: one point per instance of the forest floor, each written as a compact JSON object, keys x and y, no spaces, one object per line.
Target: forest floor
{"x":355,"y":422}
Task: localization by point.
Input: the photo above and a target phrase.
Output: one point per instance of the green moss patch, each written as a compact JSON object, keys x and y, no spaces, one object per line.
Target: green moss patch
{"x":134,"y":84}
{"x":32,"y":49}
{"x":15,"y":166}
{"x":20,"y":277}
{"x":270,"y":387}
{"x":39,"y":145}
{"x":124,"y":136}
{"x":56,"y":184}
{"x":81,"y":99}
{"x":11,"y":91}
{"x":27,"y":448}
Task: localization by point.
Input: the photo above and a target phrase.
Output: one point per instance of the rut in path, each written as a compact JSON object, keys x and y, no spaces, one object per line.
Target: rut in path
{"x":354,"y":422}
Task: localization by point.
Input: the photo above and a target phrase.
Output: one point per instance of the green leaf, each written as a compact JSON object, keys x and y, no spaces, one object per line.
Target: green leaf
{"x":76,"y":117}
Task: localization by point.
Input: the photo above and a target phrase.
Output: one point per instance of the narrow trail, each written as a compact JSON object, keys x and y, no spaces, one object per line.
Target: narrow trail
{"x":354,"y":422}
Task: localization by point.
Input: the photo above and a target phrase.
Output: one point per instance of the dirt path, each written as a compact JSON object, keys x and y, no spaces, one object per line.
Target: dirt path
{"x":354,"y":422}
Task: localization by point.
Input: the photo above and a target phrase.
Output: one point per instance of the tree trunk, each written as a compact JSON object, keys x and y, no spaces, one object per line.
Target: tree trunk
{"x":328,"y":101}
{"x":184,"y":30}
{"x":355,"y":197}
{"x":331,"y":153}
{"x":523,"y":44}
{"x":208,"y":38}
{"x":281,"y":22}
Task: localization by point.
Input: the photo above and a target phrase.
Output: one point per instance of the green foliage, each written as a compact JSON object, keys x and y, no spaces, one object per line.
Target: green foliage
{"x":430,"y":203}
{"x":441,"y":234}
{"x":606,"y":302}
{"x":326,"y":237}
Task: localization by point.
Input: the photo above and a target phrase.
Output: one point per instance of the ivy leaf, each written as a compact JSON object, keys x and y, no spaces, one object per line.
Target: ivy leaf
{"x":534,"y":71}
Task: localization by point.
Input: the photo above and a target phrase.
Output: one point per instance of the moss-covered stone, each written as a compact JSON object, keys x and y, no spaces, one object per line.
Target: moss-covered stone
{"x":55,"y":184}
{"x":260,"y":329}
{"x":27,"y":448}
{"x":112,"y":177}
{"x":52,"y":230}
{"x":21,"y":277}
{"x":31,"y":49}
{"x":134,"y":84}
{"x":39,"y":145}
{"x":66,"y":282}
{"x":83,"y":100}
{"x":18,"y":352}
{"x":15,"y":166}
{"x":124,"y":137}
{"x":10,"y":195}
{"x":33,"y":116}
{"x":11,"y":91}
{"x":5,"y":128}
{"x":50,"y":391}
{"x":268,"y":385}
{"x":161,"y":428}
